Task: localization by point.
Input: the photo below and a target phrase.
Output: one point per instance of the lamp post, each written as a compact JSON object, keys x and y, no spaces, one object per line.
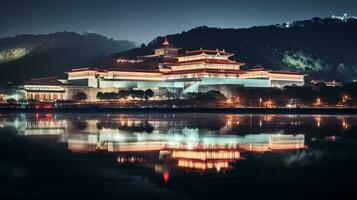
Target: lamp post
{"x":318,"y":102}
{"x":260,"y":102}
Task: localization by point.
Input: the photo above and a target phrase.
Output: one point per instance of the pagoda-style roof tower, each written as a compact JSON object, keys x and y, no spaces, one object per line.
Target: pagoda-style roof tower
{"x":166,"y":49}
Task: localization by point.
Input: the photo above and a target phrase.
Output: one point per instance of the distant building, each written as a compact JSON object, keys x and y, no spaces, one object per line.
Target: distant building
{"x":193,"y":71}
{"x":326,"y":83}
{"x":344,"y":17}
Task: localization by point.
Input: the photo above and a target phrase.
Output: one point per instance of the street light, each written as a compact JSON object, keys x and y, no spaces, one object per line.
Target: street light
{"x":318,"y":102}
{"x":260,"y":102}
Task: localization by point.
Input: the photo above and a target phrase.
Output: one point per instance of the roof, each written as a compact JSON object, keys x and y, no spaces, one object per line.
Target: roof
{"x":218,"y":71}
{"x":205,"y":51}
{"x":256,"y":69}
{"x":284,"y":72}
{"x":86,"y":69}
{"x":44,"y":81}
{"x":210,"y":61}
{"x":148,"y":64}
{"x":134,"y":70}
{"x":166,"y":44}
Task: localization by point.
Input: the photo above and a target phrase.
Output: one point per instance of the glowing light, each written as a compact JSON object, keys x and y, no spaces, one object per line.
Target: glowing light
{"x":318,"y":121}
{"x":318,"y":102}
{"x":206,"y":155}
{"x":13,"y":54}
{"x":166,"y":176}
{"x":203,"y":165}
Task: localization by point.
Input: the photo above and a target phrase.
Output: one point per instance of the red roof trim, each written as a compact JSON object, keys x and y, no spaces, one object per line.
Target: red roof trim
{"x":285,"y":72}
{"x":218,"y":71}
{"x":134,"y":70}
{"x":206,"y":51}
{"x":210,"y":61}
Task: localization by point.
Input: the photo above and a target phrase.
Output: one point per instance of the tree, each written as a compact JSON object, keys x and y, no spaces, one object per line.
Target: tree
{"x":191,"y":95}
{"x":100,"y":96}
{"x":173,"y":93}
{"x":11,"y":101}
{"x":216,"y":95}
{"x":109,"y":96}
{"x":137,"y":94}
{"x":123,"y":94}
{"x":148,"y":94}
{"x":80,"y":96}
{"x":211,"y":95}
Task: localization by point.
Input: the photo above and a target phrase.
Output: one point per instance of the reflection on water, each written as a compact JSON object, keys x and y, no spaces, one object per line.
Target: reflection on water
{"x":169,"y":142}
{"x":185,"y":153}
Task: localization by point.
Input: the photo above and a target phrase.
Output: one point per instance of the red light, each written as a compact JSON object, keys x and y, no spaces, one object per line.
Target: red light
{"x":49,"y":116}
{"x":166,"y":42}
{"x":166,"y":176}
{"x":48,"y":106}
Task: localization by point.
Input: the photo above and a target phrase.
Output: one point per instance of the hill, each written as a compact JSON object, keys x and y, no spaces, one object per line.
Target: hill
{"x":323,"y":48}
{"x":26,"y":56}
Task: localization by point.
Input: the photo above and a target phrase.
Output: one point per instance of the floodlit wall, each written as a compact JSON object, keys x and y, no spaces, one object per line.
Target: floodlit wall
{"x":236,"y":81}
{"x":107,"y":83}
{"x":90,"y":92}
{"x":281,"y":84}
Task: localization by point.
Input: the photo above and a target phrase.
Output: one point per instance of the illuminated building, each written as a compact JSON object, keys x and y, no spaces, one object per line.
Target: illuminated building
{"x":192,"y":71}
{"x":345,"y":17}
{"x":44,"y":89}
{"x":327,"y":83}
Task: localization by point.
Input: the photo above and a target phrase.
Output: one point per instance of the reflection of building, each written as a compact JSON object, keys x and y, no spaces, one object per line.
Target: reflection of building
{"x":118,"y":141}
{"x":168,"y":143}
{"x":45,"y":125}
{"x":193,"y":71}
{"x":205,"y":159}
{"x":275,"y":142}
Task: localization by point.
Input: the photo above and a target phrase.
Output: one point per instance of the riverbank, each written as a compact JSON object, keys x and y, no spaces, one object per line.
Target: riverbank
{"x":250,"y":110}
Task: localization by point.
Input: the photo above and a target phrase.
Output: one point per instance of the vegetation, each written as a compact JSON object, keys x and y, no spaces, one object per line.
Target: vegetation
{"x":300,"y":61}
{"x":323,"y":48}
{"x":295,"y":96}
{"x":212,"y":95}
{"x":108,"y":96}
{"x":172,"y":93}
{"x":11,"y":101}
{"x":148,"y":94}
{"x":80,"y":96}
{"x":124,"y":94}
{"x":12,"y":54}
{"x":53,"y":54}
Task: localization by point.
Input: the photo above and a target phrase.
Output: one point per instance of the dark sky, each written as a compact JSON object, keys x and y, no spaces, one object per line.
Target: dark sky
{"x":142,"y":20}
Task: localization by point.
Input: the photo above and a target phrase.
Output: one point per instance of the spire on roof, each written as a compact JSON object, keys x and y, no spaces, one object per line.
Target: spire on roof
{"x":166,"y":42}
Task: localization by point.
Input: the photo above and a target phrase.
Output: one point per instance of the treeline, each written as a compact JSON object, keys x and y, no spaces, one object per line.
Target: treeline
{"x":319,"y":95}
{"x":323,"y":48}
{"x":124,"y":94}
{"x":169,"y":94}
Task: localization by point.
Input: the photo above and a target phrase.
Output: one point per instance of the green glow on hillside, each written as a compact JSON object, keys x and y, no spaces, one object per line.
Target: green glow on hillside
{"x":9,"y":55}
{"x":302,"y":62}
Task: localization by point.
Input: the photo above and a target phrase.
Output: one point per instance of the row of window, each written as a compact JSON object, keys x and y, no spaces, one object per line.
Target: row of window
{"x":44,"y":96}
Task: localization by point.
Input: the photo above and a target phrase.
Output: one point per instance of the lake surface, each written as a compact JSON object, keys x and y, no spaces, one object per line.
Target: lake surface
{"x":177,"y":156}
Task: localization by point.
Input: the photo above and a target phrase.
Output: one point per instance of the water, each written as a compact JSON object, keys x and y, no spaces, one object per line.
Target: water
{"x":177,"y":156}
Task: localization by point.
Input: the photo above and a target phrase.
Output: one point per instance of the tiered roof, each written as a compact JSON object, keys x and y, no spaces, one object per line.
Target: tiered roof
{"x":44,"y":81}
{"x":206,"y":51}
{"x":217,"y":71}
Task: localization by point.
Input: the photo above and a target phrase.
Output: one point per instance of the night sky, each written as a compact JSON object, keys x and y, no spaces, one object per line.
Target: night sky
{"x":143,"y":20}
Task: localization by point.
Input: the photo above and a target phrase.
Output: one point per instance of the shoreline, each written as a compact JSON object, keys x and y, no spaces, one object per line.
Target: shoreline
{"x":327,"y":111}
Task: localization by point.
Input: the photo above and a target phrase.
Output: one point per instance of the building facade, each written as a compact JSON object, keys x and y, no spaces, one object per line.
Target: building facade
{"x":188,"y":72}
